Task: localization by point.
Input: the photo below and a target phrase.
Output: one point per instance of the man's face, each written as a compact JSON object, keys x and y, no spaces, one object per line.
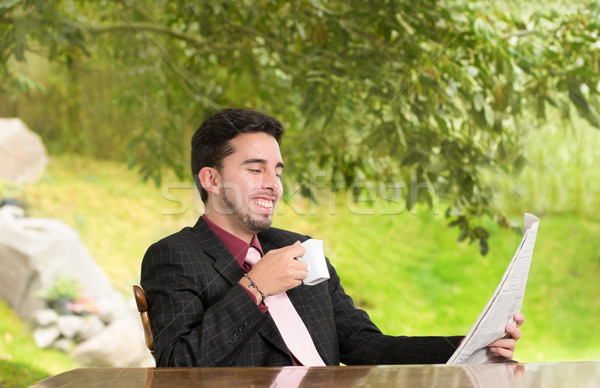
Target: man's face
{"x":250,"y":183}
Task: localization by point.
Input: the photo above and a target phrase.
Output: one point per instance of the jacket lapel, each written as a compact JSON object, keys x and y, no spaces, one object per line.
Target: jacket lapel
{"x":224,"y":262}
{"x":226,"y":265}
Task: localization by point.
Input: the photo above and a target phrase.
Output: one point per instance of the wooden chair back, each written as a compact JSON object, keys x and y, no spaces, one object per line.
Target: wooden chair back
{"x":142,"y":306}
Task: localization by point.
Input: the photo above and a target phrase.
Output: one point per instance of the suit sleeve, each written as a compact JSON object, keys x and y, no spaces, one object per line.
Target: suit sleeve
{"x":198,"y":318}
{"x":362,"y":343}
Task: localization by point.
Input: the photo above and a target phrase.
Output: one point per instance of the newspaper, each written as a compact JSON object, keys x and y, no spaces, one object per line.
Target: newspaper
{"x":502,"y":306}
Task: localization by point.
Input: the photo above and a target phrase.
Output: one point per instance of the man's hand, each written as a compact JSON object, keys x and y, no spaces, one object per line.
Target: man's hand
{"x":279,"y":271}
{"x":505,"y":348}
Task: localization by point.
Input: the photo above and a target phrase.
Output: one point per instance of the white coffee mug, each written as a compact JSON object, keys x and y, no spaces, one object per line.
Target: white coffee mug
{"x":317,"y":265}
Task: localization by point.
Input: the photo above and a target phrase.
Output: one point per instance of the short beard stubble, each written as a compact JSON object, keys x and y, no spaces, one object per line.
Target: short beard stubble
{"x":255,"y":225}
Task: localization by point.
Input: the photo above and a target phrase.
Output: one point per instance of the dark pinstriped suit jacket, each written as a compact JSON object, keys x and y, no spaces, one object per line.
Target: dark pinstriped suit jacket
{"x":202,"y":317}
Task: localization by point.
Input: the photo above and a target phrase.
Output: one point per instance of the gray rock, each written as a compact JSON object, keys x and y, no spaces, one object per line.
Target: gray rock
{"x":69,"y":325}
{"x":45,"y":317}
{"x":110,"y":309}
{"x":64,"y":344}
{"x":22,"y":155}
{"x":121,"y":344}
{"x":91,"y":325}
{"x":34,"y":252}
{"x":45,"y":336}
{"x":19,"y":279}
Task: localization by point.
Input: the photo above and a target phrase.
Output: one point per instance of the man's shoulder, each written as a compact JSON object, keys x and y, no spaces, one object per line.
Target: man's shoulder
{"x":186,"y":245}
{"x":183,"y":234}
{"x":186,"y":234}
{"x":177,"y":242}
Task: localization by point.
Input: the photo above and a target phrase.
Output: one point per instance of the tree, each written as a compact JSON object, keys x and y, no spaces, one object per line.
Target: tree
{"x":375,"y":95}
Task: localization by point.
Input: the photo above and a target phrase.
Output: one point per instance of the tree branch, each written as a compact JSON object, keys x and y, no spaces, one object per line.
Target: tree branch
{"x":136,"y":27}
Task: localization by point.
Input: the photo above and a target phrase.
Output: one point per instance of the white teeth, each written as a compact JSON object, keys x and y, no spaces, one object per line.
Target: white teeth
{"x":263,"y":203}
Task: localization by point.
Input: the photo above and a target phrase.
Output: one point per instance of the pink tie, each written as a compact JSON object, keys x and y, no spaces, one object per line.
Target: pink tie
{"x":290,"y":325}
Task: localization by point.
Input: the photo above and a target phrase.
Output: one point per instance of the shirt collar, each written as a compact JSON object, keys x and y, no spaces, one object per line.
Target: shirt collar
{"x":235,"y":245}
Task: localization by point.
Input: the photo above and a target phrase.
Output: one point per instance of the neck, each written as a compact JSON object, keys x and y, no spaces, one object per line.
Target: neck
{"x":224,"y":222}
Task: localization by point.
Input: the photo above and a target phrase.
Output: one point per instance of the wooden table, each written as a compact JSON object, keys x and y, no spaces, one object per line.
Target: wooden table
{"x":563,"y":374}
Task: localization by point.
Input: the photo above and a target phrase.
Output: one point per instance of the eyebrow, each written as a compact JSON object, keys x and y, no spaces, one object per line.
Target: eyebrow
{"x":261,"y":161}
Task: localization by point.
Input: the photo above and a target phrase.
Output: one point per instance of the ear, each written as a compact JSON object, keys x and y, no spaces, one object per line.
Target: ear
{"x":210,"y":179}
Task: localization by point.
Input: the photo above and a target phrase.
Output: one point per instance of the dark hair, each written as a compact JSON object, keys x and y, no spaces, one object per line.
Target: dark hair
{"x":211,"y":142}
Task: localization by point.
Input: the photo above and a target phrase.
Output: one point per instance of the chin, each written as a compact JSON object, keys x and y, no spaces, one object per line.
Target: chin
{"x":258,"y":224}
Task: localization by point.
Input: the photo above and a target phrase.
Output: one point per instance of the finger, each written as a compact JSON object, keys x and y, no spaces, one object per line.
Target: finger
{"x":502,"y":352}
{"x":508,"y":343}
{"x":293,"y":251}
{"x":519,"y":319}
{"x":300,"y":265}
{"x":289,"y":252}
{"x":514,"y":332}
{"x":300,"y":275}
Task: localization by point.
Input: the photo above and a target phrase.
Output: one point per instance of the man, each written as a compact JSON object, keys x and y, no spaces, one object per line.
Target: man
{"x":213,"y":304}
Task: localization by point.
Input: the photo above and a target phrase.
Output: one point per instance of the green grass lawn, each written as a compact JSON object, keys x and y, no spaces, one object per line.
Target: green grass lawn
{"x":406,"y":270}
{"x":413,"y":278}
{"x":21,"y":362}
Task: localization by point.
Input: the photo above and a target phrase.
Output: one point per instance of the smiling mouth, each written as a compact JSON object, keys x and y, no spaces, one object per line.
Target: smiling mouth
{"x":265,"y":203}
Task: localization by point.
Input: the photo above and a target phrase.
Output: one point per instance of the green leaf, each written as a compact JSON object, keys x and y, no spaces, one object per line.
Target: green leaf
{"x":478,"y":102}
{"x":483,"y":246}
{"x":488,"y":114}
{"x":464,"y":233}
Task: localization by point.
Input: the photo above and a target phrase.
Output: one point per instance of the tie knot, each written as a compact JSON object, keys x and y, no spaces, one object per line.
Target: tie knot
{"x":253,"y":256}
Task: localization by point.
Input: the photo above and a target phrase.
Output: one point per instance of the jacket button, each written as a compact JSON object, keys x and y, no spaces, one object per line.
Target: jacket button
{"x":248,"y":322}
{"x":232,"y":340}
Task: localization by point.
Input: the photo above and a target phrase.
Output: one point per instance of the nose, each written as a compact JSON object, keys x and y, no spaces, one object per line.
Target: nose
{"x":270,"y":181}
